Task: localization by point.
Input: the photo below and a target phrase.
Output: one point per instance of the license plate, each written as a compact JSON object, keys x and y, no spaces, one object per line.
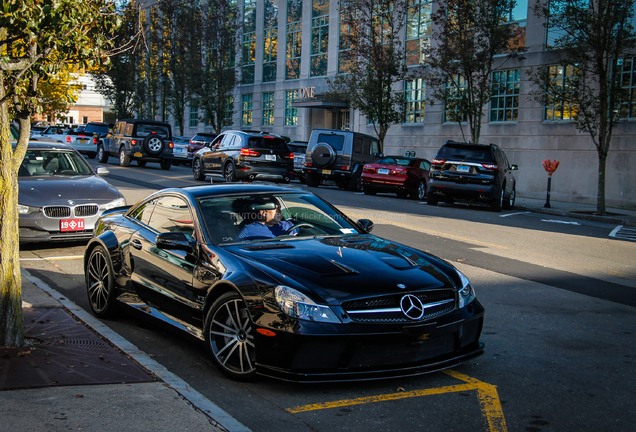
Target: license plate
{"x":463,"y":168}
{"x":138,"y":154}
{"x":82,"y":141}
{"x":179,"y":151}
{"x":383,"y":171}
{"x":270,"y":157}
{"x":326,"y":171}
{"x":72,"y":225}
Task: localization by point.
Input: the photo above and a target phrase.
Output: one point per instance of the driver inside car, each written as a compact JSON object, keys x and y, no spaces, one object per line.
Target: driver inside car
{"x":264,"y":221}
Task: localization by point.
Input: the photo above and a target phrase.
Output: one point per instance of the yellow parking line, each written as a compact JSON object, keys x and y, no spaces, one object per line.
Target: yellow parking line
{"x":486,"y":393}
{"x":52,"y":258}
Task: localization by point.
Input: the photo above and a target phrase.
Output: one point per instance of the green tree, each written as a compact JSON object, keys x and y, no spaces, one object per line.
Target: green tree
{"x":114,"y":81}
{"x":177,"y":54}
{"x":459,"y":63}
{"x":214,"y":75}
{"x":37,"y":39}
{"x":593,"y":39}
{"x":372,"y":61}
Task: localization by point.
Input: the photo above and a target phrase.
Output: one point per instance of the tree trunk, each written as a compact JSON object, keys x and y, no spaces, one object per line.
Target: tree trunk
{"x":600,"y":196}
{"x":11,"y":320}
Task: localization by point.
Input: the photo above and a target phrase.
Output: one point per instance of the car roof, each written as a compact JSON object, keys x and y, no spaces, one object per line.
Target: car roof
{"x":468,"y":145}
{"x":48,"y":145}
{"x":143,"y":121}
{"x":231,"y":189}
{"x":208,"y":134}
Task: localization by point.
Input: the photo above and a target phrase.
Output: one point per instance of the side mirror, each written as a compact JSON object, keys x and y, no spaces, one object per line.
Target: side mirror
{"x":102,"y":171}
{"x":514,"y":167}
{"x":174,"y":241}
{"x":366,"y":224}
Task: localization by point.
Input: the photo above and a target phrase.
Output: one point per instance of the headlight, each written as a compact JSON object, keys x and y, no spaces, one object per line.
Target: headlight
{"x":24,"y":210}
{"x":298,"y":305}
{"x":467,"y":293}
{"x":120,"y":202}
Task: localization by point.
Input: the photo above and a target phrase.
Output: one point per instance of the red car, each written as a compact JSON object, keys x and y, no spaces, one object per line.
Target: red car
{"x":403,"y":175}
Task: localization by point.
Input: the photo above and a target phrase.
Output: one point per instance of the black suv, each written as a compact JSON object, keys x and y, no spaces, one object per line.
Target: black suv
{"x":140,"y":140}
{"x":339,"y":155}
{"x":472,"y":173}
{"x":241,"y":155}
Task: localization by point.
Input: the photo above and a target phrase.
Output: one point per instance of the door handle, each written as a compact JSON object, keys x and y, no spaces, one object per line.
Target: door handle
{"x":136,"y":244}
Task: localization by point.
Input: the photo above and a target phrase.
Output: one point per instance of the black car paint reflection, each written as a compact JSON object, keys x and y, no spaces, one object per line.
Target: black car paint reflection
{"x":324,"y":305}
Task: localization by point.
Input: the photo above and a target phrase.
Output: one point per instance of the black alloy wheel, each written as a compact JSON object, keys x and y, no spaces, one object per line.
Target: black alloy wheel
{"x":100,"y":283}
{"x":421,"y":191}
{"x":229,"y":335}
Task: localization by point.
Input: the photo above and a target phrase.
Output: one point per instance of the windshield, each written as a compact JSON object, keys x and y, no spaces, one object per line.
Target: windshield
{"x":389,"y":160}
{"x":52,"y":163}
{"x":103,"y":129}
{"x":465,"y":152}
{"x":245,"y":218}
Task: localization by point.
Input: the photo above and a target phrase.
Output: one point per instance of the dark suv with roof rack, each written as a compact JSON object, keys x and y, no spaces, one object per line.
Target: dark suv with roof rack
{"x":470,"y":172}
{"x":244,"y":155}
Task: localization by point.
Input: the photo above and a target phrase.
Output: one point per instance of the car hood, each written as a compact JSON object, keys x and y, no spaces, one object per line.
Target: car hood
{"x":59,"y":190}
{"x":345,"y":268}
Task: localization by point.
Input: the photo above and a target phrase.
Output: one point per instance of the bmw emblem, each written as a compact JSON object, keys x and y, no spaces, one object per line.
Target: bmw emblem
{"x":70,"y":202}
{"x":412,"y":307}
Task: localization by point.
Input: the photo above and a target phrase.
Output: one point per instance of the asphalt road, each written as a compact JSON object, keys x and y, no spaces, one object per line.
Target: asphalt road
{"x":559,"y":326}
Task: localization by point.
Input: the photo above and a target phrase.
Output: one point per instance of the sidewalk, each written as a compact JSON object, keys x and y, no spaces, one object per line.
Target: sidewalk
{"x":77,"y":374}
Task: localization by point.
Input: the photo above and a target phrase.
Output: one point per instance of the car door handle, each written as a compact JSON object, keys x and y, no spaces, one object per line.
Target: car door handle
{"x":136,"y":244}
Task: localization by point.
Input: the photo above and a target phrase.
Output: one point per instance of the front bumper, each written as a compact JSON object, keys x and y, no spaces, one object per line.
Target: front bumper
{"x":370,"y":351}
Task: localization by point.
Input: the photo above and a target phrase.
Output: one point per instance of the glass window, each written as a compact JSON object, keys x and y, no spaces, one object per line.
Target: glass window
{"x":172,"y":214}
{"x":194,"y":114}
{"x":291,"y":113}
{"x":415,"y":101}
{"x":560,"y":106}
{"x":627,"y":76}
{"x":337,"y":141}
{"x":418,"y":30}
{"x":270,"y":40}
{"x":249,"y":41}
{"x":229,"y":111}
{"x":504,"y":100}
{"x":319,"y":37}
{"x":294,"y":39}
{"x":456,"y":96}
{"x":268,"y":109}
{"x":246,"y":110}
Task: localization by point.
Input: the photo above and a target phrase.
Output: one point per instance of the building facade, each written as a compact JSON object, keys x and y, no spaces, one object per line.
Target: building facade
{"x":291,"y":47}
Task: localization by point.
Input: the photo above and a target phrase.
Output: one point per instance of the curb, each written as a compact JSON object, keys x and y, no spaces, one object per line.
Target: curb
{"x":219,"y":417}
{"x":610,"y":219}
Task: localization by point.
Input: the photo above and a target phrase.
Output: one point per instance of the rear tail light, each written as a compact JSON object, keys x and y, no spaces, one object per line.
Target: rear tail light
{"x":289,"y":156}
{"x":345,"y":168}
{"x":248,"y":152}
{"x":133,"y":142}
{"x":367,"y":170}
{"x":94,"y":140}
{"x":171,"y":144}
{"x":308,"y":164}
{"x":400,"y":173}
{"x":438,"y":161}
{"x":68,"y":139}
{"x":490,"y":166}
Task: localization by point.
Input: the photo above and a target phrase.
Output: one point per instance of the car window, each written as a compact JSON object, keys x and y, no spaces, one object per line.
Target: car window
{"x":143,"y":211}
{"x":172,"y":214}
{"x":460,"y":152}
{"x":225,"y":217}
{"x":144,"y":130}
{"x":274,"y":143}
{"x":297,"y":148}
{"x":52,"y":163}
{"x":129,"y":129}
{"x":335,"y":141}
{"x":96,"y":129}
{"x":426,"y":165}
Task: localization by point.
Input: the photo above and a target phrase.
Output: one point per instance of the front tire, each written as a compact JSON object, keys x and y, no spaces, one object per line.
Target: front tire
{"x":102,"y":156}
{"x":229,"y":336}
{"x":100,"y":283}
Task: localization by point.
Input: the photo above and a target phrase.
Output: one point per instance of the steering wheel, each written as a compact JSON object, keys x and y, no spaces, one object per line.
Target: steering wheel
{"x":300,"y":225}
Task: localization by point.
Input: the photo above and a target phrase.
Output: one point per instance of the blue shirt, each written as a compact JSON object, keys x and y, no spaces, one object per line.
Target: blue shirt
{"x":258,"y":231}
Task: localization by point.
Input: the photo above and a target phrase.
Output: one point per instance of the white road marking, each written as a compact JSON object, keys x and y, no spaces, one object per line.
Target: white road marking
{"x":558,"y":221}
{"x":513,"y":214}
{"x":624,"y":233}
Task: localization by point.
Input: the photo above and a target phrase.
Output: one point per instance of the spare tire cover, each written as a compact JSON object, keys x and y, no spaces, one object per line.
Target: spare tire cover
{"x":323,"y":154}
{"x":153,"y":144}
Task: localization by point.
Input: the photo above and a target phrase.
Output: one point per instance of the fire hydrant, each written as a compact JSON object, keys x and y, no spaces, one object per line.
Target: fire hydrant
{"x":550,"y":167}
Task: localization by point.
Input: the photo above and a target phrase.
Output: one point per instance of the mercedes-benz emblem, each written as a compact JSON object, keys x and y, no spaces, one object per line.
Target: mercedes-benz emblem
{"x":412,"y":307}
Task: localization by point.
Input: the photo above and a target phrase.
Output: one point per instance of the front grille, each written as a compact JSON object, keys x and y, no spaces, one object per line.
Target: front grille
{"x":387,"y":309}
{"x":66,"y":212}
{"x":57,"y":212}
{"x":86,"y":210}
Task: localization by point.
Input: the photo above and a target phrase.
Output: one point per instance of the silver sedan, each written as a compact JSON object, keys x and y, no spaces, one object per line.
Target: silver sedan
{"x":61,"y":196}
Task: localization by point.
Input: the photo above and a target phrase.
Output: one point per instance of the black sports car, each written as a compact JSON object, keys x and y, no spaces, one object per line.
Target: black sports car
{"x":324,"y":301}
